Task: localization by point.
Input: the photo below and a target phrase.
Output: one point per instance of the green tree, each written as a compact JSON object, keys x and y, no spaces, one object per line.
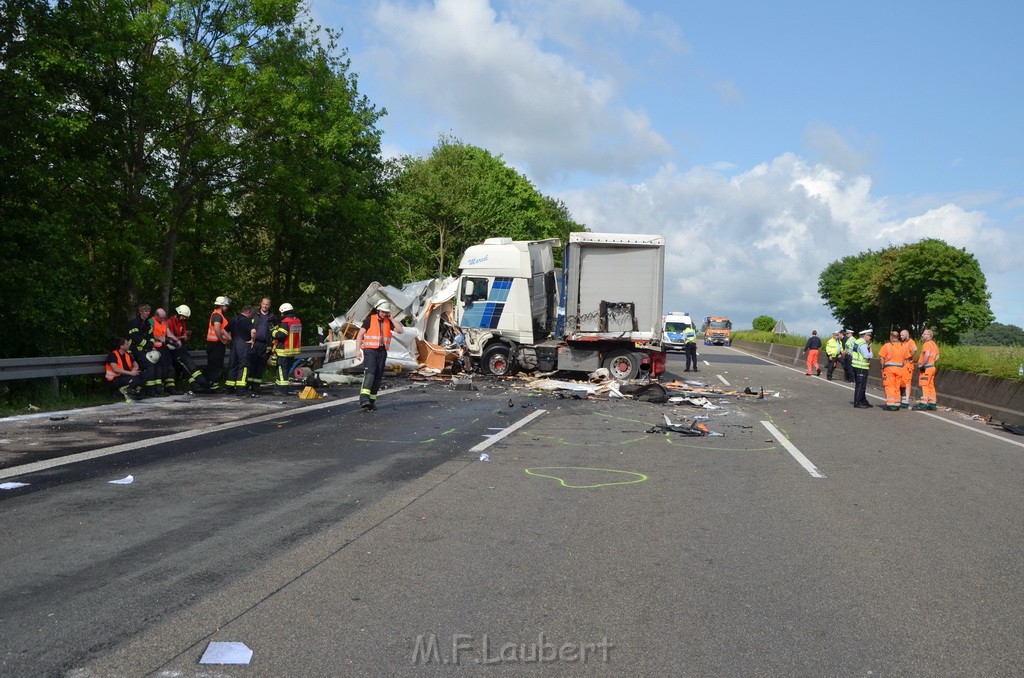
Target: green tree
{"x":764,"y":323}
{"x":996,"y":334}
{"x":924,"y":284}
{"x":460,"y":195}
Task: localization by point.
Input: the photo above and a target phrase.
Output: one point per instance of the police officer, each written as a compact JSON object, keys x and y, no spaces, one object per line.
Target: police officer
{"x":690,"y":346}
{"x":861,"y":361}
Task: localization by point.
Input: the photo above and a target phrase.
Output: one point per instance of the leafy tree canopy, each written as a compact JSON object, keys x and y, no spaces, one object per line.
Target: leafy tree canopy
{"x":457,"y":197}
{"x":764,"y":323}
{"x":915,"y":286}
{"x":996,"y":334}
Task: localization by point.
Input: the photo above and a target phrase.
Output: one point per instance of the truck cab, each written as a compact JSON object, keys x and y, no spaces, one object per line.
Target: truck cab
{"x":717,"y":330}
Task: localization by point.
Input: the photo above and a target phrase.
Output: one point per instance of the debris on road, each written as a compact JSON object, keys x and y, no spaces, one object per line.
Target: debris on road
{"x":12,"y":485}
{"x":127,"y":480}
{"x":694,"y":428}
{"x":226,"y":653}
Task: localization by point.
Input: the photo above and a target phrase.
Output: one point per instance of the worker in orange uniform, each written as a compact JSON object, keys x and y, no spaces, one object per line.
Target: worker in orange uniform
{"x":892,"y":357}
{"x":217,"y":339}
{"x":163,"y":375}
{"x":909,"y":349}
{"x":926,"y":372}
{"x":372,"y":344}
{"x":812,"y":348}
{"x":287,"y":337}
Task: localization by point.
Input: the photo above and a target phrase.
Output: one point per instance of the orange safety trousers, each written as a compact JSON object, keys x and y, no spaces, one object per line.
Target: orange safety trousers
{"x":926,"y":380}
{"x":892,"y":377}
{"x":812,"y":360}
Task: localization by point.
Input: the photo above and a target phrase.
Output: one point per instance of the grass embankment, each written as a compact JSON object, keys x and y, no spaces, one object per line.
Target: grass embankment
{"x":994,"y":361}
{"x":37,"y":395}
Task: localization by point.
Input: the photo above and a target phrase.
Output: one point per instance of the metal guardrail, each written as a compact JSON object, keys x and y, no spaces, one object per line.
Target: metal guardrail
{"x":14,"y":369}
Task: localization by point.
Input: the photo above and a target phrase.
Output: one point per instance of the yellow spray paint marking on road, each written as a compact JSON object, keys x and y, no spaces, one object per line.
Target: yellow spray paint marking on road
{"x":451,"y":430}
{"x":635,"y":477}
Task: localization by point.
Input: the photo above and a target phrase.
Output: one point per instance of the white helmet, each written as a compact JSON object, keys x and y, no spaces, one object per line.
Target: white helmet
{"x":285,"y":307}
{"x":153,"y":356}
{"x":383,"y":305}
{"x":222,"y":301}
{"x":183,"y":310}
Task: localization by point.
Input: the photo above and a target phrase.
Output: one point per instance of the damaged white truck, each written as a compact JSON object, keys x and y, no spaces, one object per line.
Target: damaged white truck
{"x":605,"y":311}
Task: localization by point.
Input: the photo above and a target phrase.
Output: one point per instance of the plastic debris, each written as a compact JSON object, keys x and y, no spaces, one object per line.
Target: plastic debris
{"x":309,"y":393}
{"x":12,"y":485}
{"x":485,"y":457}
{"x":226,"y":653}
{"x":694,"y":428}
{"x":127,"y":480}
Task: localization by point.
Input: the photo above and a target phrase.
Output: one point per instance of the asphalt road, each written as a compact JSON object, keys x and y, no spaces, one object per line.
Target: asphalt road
{"x":810,"y":538}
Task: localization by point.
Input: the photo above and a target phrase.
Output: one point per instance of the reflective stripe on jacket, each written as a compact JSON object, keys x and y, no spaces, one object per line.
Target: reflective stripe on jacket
{"x":858,"y":359}
{"x":379,"y":333}
{"x":288,"y":336}
{"x":124,"y":361}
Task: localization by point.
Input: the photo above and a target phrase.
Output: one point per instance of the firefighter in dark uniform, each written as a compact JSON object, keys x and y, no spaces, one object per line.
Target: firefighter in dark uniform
{"x":287,"y":345}
{"x":217,"y":339}
{"x":178,"y":336}
{"x":140,"y":342}
{"x":243,"y":336}
{"x":123,"y":373}
{"x":372,"y":344}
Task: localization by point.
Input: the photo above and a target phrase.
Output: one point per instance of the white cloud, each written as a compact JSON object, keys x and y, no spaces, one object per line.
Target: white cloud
{"x":496,"y":87}
{"x":755,"y":242}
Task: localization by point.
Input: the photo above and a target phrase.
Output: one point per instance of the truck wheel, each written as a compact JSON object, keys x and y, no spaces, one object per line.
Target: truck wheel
{"x":623,"y":364}
{"x":497,"y":361}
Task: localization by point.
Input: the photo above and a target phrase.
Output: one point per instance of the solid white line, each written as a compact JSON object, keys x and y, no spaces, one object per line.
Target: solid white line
{"x":184,"y":435}
{"x":723,"y":380}
{"x":801,"y":459}
{"x":480,"y":447}
{"x":975,"y":430}
{"x":707,"y":363}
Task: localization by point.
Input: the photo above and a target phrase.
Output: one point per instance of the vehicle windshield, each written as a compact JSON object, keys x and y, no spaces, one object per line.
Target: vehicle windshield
{"x":674,"y":327}
{"x":719,"y":325}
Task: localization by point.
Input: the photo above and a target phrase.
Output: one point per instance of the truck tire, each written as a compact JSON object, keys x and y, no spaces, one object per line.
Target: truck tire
{"x":497,"y":361}
{"x":623,"y":364}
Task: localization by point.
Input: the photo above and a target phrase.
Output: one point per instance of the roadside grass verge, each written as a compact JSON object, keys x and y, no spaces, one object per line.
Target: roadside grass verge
{"x":994,"y":361}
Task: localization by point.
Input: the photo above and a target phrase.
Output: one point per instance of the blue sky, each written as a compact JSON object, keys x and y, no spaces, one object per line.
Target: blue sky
{"x":765,"y":140}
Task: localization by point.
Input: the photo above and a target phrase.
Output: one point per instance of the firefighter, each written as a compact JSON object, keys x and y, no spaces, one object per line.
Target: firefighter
{"x":909,"y":349}
{"x":690,"y":346}
{"x":372,"y":344}
{"x":926,"y":372}
{"x":123,"y":372}
{"x":287,"y":337}
{"x":140,"y":341}
{"x":265,"y":321}
{"x":243,"y":337}
{"x":861,"y":362}
{"x":217,"y":339}
{"x":178,"y":335}
{"x":162,"y":379}
{"x":892,"y":355}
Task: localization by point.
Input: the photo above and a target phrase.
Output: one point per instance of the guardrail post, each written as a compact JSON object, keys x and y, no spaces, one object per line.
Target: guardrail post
{"x":55,"y":385}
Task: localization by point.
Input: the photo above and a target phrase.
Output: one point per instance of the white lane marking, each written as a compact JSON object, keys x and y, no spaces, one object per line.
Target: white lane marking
{"x":976,"y":430}
{"x":184,"y":435}
{"x":480,"y":447}
{"x":706,"y":363}
{"x":801,"y":459}
{"x":723,"y":380}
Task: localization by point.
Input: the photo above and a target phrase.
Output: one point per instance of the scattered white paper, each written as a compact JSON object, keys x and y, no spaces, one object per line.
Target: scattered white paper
{"x":12,"y":485}
{"x":226,"y":653}
{"x":485,"y":457}
{"x":127,"y":480}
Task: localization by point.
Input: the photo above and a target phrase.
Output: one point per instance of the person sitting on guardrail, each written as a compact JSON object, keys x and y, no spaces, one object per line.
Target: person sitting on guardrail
{"x":123,"y":372}
{"x":140,"y":341}
{"x":162,"y":379}
{"x":178,"y":335}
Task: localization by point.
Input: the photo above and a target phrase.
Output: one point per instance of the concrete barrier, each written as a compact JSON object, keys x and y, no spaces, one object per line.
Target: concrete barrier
{"x":1001,"y":399}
